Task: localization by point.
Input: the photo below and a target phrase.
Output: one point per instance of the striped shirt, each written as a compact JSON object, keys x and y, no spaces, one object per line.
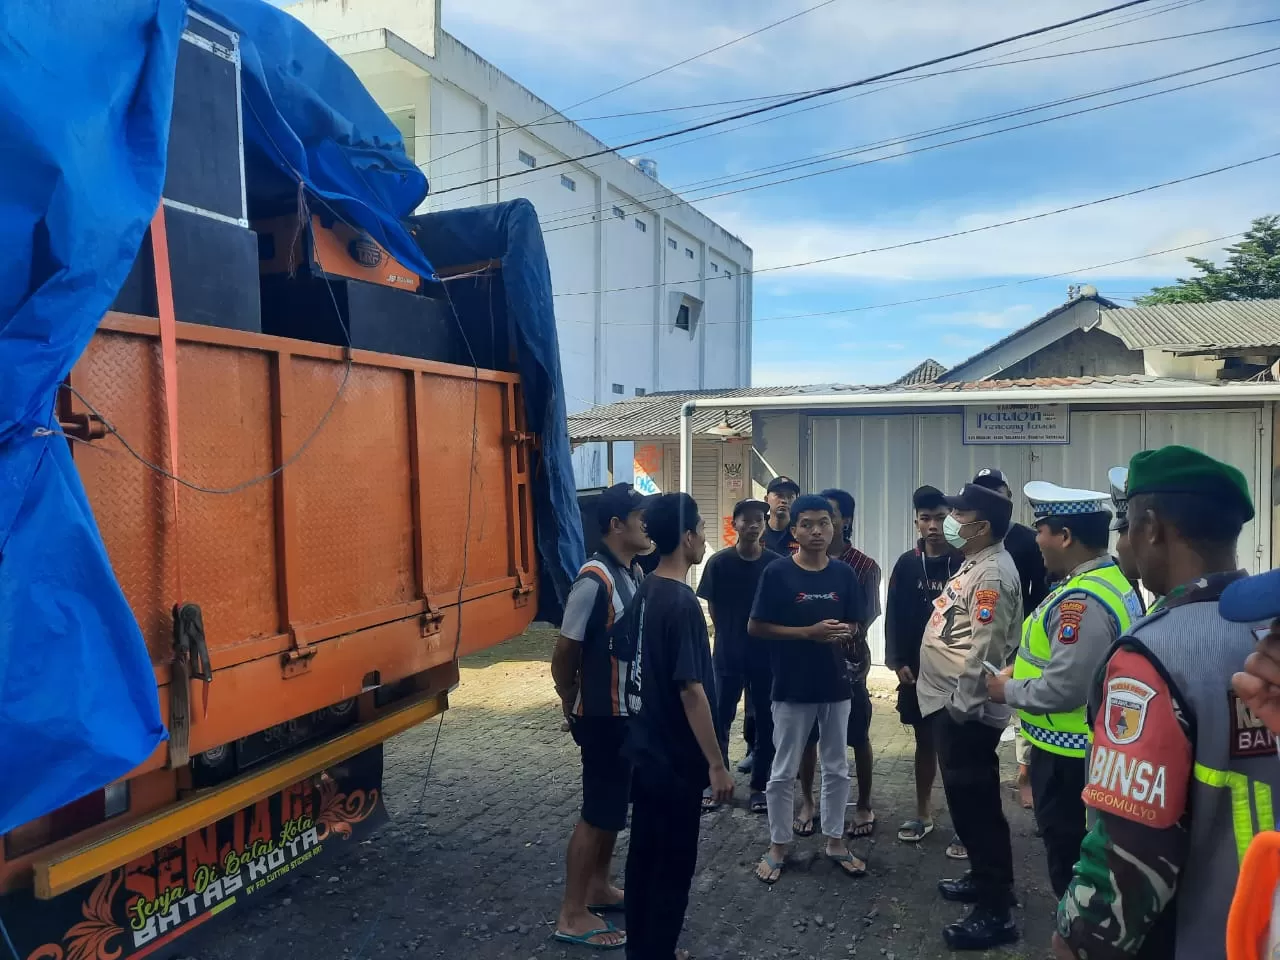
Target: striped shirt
{"x":868,"y":573}
{"x":596,"y":603}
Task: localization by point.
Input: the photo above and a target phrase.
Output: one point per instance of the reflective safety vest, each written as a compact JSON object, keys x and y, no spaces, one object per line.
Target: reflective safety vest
{"x":1068,"y":733}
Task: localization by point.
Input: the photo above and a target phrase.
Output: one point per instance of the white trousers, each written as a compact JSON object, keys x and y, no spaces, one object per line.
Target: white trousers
{"x":792,"y":723}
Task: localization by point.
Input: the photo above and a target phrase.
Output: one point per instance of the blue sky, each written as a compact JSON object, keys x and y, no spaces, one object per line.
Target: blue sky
{"x":567,"y":50}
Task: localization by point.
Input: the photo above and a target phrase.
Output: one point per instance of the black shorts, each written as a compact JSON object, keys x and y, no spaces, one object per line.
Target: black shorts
{"x":606,"y":773}
{"x":909,"y":705}
{"x":859,"y":718}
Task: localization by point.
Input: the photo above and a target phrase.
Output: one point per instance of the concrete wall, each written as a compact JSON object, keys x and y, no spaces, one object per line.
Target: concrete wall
{"x":605,"y":224}
{"x":1081,"y":353}
{"x":1160,"y":363}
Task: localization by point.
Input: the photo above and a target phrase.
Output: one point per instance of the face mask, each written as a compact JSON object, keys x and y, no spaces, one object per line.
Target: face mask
{"x":951,"y":528}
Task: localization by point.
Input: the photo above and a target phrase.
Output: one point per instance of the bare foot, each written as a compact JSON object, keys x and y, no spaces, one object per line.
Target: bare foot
{"x":837,"y":851}
{"x":864,"y":822}
{"x":605,"y":896}
{"x":769,"y":869}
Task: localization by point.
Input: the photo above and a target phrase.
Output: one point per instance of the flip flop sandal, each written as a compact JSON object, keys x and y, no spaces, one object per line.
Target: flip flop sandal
{"x":863,"y":829}
{"x":758,"y":803}
{"x":913,"y":831}
{"x":619,"y":907}
{"x":773,"y":865}
{"x":584,"y":939}
{"x":956,"y":850}
{"x":803,"y":828}
{"x":708,"y":804}
{"x":840,"y":859}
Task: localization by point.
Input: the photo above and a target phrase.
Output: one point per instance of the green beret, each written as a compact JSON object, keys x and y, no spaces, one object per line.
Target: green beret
{"x":1178,"y":469}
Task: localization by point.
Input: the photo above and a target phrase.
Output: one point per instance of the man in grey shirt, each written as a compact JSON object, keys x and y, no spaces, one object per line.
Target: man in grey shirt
{"x":976,"y":618}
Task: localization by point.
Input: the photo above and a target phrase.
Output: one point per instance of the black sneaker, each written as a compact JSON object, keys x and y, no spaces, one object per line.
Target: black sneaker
{"x":746,"y":763}
{"x":982,"y":929}
{"x":959,"y":890}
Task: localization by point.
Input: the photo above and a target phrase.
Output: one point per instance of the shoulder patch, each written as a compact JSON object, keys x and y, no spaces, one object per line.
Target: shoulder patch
{"x":984,"y":605}
{"x":1070,"y":614}
{"x":1249,"y":735}
{"x":1140,"y":767}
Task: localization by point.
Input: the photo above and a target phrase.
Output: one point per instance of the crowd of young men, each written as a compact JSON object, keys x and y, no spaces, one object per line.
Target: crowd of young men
{"x":974,"y":628}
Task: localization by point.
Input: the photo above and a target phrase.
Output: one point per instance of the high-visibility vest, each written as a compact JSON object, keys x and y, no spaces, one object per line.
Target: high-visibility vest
{"x":1068,"y":733}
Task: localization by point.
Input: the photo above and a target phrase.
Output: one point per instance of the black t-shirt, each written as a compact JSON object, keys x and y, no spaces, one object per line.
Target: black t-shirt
{"x":729,"y":584}
{"x":809,"y":671}
{"x":779,"y":541}
{"x":1020,"y":541}
{"x":672,"y":650}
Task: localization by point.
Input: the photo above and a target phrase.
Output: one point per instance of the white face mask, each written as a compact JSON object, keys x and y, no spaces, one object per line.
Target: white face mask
{"x":951,"y":528}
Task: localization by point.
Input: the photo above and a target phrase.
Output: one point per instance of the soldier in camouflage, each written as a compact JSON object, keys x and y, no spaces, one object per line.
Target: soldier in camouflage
{"x":1181,"y":773}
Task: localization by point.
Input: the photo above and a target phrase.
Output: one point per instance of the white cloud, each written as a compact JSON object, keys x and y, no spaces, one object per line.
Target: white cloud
{"x":766,"y":372}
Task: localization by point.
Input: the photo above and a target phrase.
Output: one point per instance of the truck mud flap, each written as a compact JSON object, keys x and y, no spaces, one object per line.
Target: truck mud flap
{"x":140,"y":908}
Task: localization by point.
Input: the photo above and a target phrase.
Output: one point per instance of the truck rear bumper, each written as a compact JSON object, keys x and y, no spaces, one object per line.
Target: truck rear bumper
{"x":68,"y":869}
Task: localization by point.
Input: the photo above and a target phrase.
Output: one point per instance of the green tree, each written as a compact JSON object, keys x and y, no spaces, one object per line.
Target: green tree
{"x":1251,"y":272}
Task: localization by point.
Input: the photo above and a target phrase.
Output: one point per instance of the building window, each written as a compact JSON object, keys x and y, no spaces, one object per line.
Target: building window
{"x":617,"y":212}
{"x":686,"y":312}
{"x":640,"y":391}
{"x":727,"y":273}
{"x":527,"y":159}
{"x":641,"y":225}
{"x":672,"y":243}
{"x":619,"y":388}
{"x":567,"y":182}
{"x":714,"y":267}
{"x":682,"y":317}
{"x":688,"y":253}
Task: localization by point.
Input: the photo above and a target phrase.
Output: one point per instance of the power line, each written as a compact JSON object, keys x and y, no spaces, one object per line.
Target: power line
{"x":809,"y":96}
{"x":678,"y":201}
{"x":590,"y":210}
{"x":1077,"y":271}
{"x":957,"y":233}
{"x":995,"y":61}
{"x":650,"y":76}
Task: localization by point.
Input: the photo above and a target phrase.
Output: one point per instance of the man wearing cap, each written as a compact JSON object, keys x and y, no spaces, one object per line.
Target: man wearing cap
{"x":591,"y":685}
{"x":1063,"y":642}
{"x":1118,"y":477}
{"x":1021,"y":544}
{"x":780,"y":494}
{"x":728,"y":584}
{"x":974,"y":619}
{"x":1179,"y":780}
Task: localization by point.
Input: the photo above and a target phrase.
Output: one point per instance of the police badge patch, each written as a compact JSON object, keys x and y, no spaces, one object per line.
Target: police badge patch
{"x":1070,"y":613}
{"x":1126,"y":709}
{"x":984,"y":605}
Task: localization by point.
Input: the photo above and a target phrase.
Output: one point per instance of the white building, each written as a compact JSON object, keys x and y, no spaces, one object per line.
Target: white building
{"x":679,"y":314}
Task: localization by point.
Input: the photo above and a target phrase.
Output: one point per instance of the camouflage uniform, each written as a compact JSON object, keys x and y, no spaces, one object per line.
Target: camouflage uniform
{"x":1154,"y":879}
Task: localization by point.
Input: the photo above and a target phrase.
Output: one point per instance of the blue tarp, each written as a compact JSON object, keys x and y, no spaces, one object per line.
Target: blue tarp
{"x":85,"y":97}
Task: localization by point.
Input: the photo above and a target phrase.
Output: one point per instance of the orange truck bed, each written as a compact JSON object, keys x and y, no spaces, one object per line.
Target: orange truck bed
{"x":397,"y":537}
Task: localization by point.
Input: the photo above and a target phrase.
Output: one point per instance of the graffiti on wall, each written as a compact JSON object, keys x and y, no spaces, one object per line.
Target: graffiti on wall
{"x":647,"y":464}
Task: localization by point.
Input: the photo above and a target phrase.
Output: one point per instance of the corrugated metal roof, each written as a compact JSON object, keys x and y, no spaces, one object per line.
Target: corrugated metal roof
{"x":658,"y":415}
{"x":926,"y":372}
{"x":1185,"y":327}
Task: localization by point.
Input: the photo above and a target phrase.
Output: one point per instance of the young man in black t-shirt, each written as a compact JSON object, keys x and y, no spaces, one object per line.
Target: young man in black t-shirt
{"x":672,"y":741}
{"x":728,"y":585}
{"x":918,"y":577}
{"x":810,"y":608}
{"x":779,"y":495}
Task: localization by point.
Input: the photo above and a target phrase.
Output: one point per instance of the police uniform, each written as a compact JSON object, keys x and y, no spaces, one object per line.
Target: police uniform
{"x":1063,"y":641}
{"x":1181,"y":774}
{"x":975,"y":618}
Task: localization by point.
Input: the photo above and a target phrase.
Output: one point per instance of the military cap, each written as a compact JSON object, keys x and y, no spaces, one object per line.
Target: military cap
{"x":1050,"y":500}
{"x":1177,"y":469}
{"x":1118,"y":477}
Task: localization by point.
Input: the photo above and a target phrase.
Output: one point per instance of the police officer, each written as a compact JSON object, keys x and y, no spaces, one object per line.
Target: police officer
{"x":1118,"y":477}
{"x":1179,"y":779}
{"x":975,"y":619}
{"x":1063,"y":642}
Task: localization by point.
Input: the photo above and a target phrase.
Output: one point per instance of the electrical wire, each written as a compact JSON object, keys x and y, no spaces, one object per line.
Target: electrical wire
{"x":678,"y":201}
{"x":4,"y":935}
{"x":647,"y":76}
{"x":952,"y":294}
{"x":876,"y":87}
{"x":959,"y":233}
{"x":809,"y":96}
